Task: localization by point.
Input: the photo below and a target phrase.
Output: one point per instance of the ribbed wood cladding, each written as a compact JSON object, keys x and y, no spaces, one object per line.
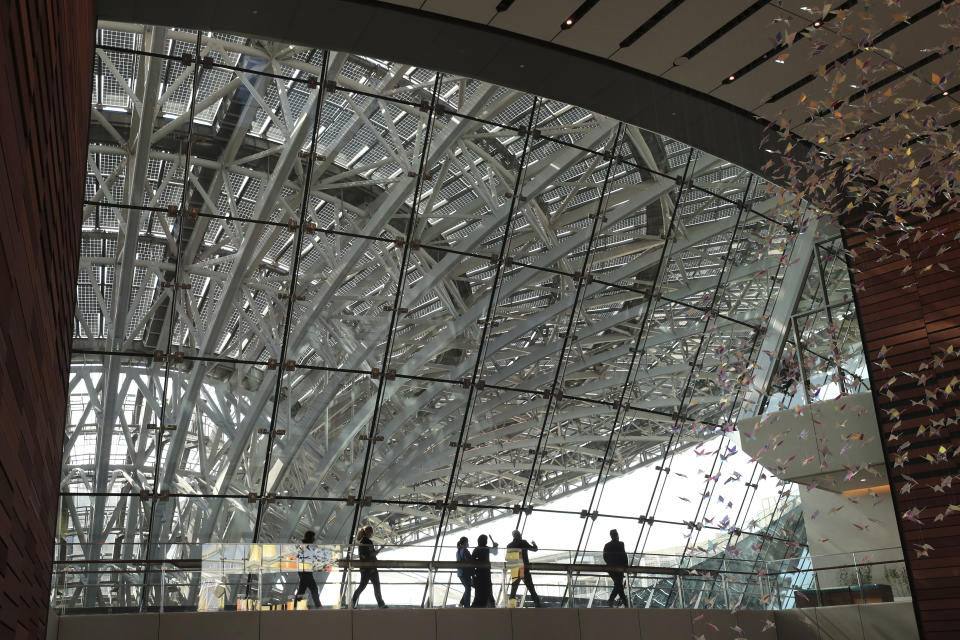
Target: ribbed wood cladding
{"x":45,"y":75}
{"x":908,"y":298}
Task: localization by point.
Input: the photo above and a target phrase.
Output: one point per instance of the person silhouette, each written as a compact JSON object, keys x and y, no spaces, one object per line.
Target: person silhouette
{"x":367,"y":553}
{"x":519,"y":543}
{"x":614,"y":555}
{"x":305,"y":557}
{"x":464,"y":574}
{"x":482,"y":583}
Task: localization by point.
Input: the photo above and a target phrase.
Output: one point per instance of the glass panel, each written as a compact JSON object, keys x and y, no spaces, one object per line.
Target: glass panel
{"x":440,"y":326}
{"x":255,"y":167}
{"x":572,"y":125}
{"x":215,"y":427}
{"x":629,"y":239}
{"x":104,"y":278}
{"x":723,"y":358}
{"x":756,"y":264}
{"x":720,"y":177}
{"x":776,"y":202}
{"x":497,"y":106}
{"x":602,"y":347}
{"x":671,"y":346}
{"x":698,"y":261}
{"x":502,"y":430}
{"x":570,"y":450}
{"x":410,"y":457}
{"x":629,"y":480}
{"x":562,"y":190}
{"x":383,"y":150}
{"x":177,"y":522}
{"x":232,"y":297}
{"x":329,"y":411}
{"x":126,"y":519}
{"x":662,"y":545}
{"x":115,"y":406}
{"x":529,"y":328}
{"x":348,"y":286}
{"x":468,"y":186}
{"x":599,"y":528}
{"x":286,"y":519}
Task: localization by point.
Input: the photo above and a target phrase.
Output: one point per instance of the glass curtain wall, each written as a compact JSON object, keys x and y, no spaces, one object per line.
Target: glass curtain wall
{"x":319,"y":290}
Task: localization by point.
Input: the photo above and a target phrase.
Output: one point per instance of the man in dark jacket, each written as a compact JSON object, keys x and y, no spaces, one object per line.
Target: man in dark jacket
{"x":519,"y":543}
{"x":482,"y":582}
{"x":615,"y":555}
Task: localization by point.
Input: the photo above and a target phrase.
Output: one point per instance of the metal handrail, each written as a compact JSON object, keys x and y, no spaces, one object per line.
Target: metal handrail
{"x":547,"y":567}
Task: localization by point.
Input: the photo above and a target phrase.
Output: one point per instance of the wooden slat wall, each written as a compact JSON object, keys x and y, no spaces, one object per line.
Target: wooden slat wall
{"x":45,"y":79}
{"x":911,"y":306}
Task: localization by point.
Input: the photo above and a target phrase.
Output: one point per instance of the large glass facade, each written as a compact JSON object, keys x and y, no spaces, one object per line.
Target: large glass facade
{"x":319,"y":290}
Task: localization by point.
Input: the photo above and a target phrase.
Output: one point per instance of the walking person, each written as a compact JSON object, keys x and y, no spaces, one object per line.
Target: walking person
{"x":367,"y":553}
{"x":519,"y":543}
{"x":464,"y":574}
{"x":306,"y":554}
{"x":482,"y":583}
{"x":614,"y":555}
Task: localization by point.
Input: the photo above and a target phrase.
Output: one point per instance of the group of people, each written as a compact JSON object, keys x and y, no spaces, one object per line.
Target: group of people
{"x":480,"y":580}
{"x":476,"y":579}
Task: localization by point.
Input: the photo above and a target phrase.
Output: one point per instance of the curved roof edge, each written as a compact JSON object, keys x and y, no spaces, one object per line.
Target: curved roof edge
{"x":499,"y":57}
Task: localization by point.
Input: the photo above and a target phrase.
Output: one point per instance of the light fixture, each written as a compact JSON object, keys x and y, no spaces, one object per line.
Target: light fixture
{"x":946,"y":93}
{"x":578,"y":13}
{"x":817,"y":23}
{"x":731,"y":78}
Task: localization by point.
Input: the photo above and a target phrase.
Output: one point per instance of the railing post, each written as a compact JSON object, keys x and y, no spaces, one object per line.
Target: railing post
{"x":570,"y":589}
{"x":446,"y":593}
{"x":348,"y":596}
{"x":629,"y":595}
{"x":163,"y":586}
{"x":260,"y":587}
{"x":63,"y":594}
{"x":777,"y":589}
{"x":816,"y":585}
{"x":726,"y":590}
{"x":503,"y":585}
{"x":430,"y":586}
{"x":679,"y":591}
{"x":761,"y":587}
{"x":856,"y":569}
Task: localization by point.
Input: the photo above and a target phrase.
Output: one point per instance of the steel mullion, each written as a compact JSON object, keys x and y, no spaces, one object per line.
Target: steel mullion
{"x":398,"y":296}
{"x":734,"y":408}
{"x":581,"y":284}
{"x":171,"y":321}
{"x":720,"y":284}
{"x":272,"y":430}
{"x":641,"y":336}
{"x":485,"y":332}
